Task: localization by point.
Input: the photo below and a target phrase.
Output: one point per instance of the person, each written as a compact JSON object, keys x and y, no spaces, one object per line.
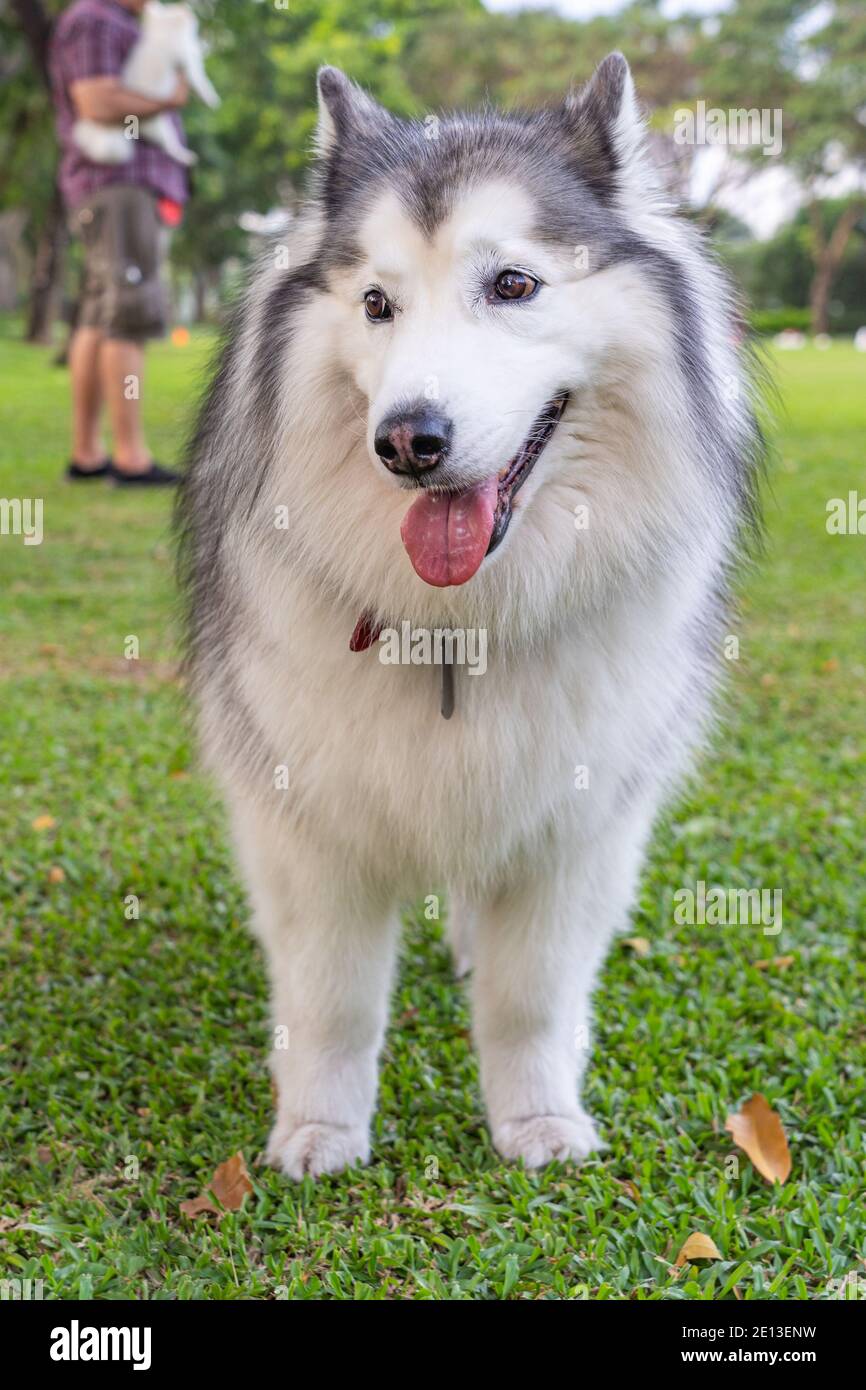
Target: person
{"x":122,"y":213}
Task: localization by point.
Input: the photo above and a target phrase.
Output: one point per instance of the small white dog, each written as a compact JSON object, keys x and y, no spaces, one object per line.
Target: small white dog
{"x":169,"y":45}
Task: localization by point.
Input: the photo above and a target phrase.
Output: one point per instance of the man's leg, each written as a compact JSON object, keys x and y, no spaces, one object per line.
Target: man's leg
{"x":87,"y":450}
{"x":121,"y":363}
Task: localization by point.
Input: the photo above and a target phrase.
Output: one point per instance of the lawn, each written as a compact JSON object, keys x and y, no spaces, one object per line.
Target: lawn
{"x":132,"y":1051}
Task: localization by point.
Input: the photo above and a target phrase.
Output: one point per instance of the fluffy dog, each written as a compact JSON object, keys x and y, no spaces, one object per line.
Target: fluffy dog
{"x":491,"y":386}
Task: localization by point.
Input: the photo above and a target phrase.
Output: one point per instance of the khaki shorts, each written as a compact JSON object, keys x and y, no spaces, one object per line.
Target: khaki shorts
{"x":125,"y":245}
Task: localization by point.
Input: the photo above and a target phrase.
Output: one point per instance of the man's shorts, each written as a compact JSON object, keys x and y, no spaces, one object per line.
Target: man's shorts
{"x":125,"y":244}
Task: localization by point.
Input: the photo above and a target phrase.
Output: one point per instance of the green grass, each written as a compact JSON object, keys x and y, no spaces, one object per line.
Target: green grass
{"x":132,"y":1053}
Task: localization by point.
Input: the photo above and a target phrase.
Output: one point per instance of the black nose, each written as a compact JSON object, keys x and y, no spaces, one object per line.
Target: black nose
{"x":414,"y":442}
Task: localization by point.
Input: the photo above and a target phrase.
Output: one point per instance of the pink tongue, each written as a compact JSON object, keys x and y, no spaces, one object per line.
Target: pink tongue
{"x":447,"y":534}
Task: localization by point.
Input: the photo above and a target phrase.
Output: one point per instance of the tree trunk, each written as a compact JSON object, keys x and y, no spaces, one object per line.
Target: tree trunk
{"x":199,"y":283}
{"x":49,"y":259}
{"x":827,"y":257}
{"x":37,"y":30}
{"x":47,"y":273}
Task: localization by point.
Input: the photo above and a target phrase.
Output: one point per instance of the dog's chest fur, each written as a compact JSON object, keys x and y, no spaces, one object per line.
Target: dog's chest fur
{"x":548,"y":743}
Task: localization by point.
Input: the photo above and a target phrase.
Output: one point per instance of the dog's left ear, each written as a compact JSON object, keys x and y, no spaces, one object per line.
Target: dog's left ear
{"x":344,"y":110}
{"x":606,"y":124}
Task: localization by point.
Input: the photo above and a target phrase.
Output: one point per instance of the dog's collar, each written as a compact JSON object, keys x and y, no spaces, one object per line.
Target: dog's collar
{"x":367,"y":631}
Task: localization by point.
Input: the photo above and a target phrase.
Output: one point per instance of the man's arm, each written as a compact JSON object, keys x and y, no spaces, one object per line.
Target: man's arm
{"x":106,"y":99}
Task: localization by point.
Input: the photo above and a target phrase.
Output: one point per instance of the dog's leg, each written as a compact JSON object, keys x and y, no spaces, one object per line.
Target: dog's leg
{"x":158,"y":130}
{"x":461,"y":933}
{"x":198,"y":79}
{"x":537,"y":952}
{"x":330,"y":945}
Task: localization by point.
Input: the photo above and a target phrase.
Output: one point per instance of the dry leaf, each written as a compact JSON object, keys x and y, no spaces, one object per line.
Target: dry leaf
{"x":56,"y":874}
{"x":229,"y":1184}
{"x":638,"y":944}
{"x":44,"y":823}
{"x":768,"y":680}
{"x":780,"y":963}
{"x":195,"y":1206}
{"x":758,"y":1130}
{"x":697,"y":1247}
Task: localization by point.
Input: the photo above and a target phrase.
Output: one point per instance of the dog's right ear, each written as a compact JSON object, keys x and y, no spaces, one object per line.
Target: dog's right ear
{"x":344,"y":110}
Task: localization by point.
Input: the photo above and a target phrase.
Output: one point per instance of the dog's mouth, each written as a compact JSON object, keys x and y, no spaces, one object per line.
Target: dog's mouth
{"x":448,"y":534}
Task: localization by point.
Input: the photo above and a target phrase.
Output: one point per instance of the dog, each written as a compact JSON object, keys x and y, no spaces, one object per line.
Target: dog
{"x":169,"y":45}
{"x":492,"y":384}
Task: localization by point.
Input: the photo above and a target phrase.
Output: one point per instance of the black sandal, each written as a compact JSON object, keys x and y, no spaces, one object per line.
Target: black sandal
{"x":154,"y":476}
{"x":75,"y":472}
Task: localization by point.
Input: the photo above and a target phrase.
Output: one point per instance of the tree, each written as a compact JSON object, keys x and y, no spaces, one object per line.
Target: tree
{"x":28,"y":113}
{"x":809,"y":62}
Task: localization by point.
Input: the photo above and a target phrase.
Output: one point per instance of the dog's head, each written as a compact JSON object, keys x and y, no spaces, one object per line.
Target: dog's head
{"x":515,"y":350}
{"x":466,"y":259}
{"x":173,"y":23}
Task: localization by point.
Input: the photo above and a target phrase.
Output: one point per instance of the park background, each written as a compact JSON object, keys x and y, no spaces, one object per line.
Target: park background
{"x":791,"y":226}
{"x":132,"y":1050}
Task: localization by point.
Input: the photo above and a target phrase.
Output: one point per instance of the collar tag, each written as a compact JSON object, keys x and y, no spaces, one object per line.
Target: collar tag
{"x":367,"y":631}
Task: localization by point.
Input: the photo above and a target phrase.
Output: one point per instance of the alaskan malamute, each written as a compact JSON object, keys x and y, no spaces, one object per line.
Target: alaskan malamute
{"x":489,"y":389}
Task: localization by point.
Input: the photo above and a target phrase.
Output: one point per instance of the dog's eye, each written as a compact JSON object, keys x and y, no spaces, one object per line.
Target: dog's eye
{"x":377,"y":307}
{"x":515,"y":284}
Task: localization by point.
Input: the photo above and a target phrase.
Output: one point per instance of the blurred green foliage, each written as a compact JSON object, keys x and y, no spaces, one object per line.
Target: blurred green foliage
{"x":418,"y":56}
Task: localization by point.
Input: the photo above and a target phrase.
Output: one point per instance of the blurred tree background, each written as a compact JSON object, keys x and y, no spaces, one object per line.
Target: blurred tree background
{"x":419,"y":56}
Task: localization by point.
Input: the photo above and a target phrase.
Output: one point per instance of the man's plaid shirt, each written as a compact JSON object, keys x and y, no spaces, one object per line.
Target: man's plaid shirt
{"x":92,"y":38}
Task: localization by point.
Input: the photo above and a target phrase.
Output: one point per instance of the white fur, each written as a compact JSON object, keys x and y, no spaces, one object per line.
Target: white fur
{"x":588,"y":662}
{"x":169,"y":45}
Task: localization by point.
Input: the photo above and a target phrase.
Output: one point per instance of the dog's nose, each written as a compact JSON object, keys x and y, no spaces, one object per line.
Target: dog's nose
{"x":413,"y":443}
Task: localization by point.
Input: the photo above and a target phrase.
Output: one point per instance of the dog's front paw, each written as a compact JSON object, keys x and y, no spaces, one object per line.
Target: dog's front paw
{"x":316,"y":1148}
{"x":537,"y":1139}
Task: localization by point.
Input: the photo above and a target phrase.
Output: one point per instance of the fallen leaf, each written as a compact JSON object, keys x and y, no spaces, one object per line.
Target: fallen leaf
{"x":757,"y":1129}
{"x":697,"y":1247}
{"x":638,"y":944}
{"x":229,"y":1184}
{"x":43,"y":823}
{"x":56,"y":874}
{"x":768,"y":680}
{"x":779,"y":962}
{"x":195,"y":1206}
